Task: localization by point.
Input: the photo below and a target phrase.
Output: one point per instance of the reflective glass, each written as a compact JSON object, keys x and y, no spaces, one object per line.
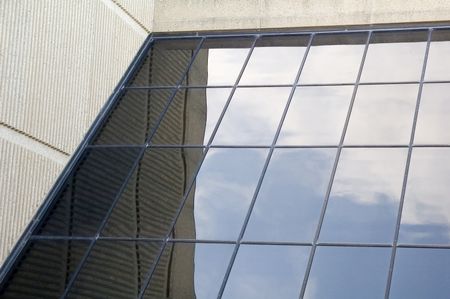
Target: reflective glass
{"x":188,"y":270}
{"x":348,"y":272}
{"x":438,"y":65}
{"x":191,"y":116}
{"x":267,"y":271}
{"x":364,"y":199}
{"x":395,"y":56}
{"x":134,"y":117}
{"x":153,"y":195}
{"x":433,"y":126}
{"x":382,"y":114}
{"x":225,"y":185}
{"x":333,"y":58}
{"x":426,"y":211}
{"x":421,"y":273}
{"x":253,"y":116}
{"x":291,"y":196}
{"x":316,"y":116}
{"x":89,"y":192}
{"x":115,"y":269}
{"x":275,"y":61}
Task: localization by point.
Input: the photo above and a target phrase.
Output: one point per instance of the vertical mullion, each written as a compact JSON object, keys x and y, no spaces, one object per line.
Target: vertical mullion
{"x":408,"y":162}
{"x":333,"y":172}
{"x":191,"y":183}
{"x":263,"y":172}
{"x":127,"y":178}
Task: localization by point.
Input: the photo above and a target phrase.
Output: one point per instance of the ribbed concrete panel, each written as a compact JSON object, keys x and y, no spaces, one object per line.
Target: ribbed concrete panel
{"x":25,"y":178}
{"x":142,"y":10}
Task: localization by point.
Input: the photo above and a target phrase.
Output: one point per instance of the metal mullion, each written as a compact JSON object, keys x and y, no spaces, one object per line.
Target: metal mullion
{"x":191,"y":184}
{"x":127,"y":178}
{"x":333,"y":172}
{"x":408,"y":162}
{"x":263,"y":172}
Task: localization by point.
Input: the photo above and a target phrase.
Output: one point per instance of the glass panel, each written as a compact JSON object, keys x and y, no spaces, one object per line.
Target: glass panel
{"x":188,"y":270}
{"x":421,"y":273}
{"x":395,"y":56}
{"x":363,"y":203}
{"x":426,"y":212}
{"x":291,"y":196}
{"x":192,"y":116}
{"x":253,"y":116}
{"x":166,"y":63}
{"x":346,"y":272}
{"x":334,"y":58}
{"x":433,"y":126}
{"x":115,"y":269}
{"x":438,"y":65}
{"x":134,"y":117}
{"x":316,"y":116}
{"x":225,"y":185}
{"x":45,"y":269}
{"x":267,"y":271}
{"x":153,"y":195}
{"x":89,"y":192}
{"x":275,"y":60}
{"x":382,"y":114}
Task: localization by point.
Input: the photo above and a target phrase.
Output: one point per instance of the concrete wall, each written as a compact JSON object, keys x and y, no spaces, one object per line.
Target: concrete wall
{"x":59,"y":62}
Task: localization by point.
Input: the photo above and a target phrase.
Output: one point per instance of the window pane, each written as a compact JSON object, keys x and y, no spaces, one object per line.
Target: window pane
{"x":421,"y":273}
{"x":382,"y":114}
{"x":316,"y":116}
{"x":426,"y":211}
{"x":433,"y":126}
{"x":224,"y":188}
{"x":267,"y":272}
{"x":253,"y":116}
{"x":291,"y":196}
{"x":438,"y":65}
{"x":346,"y":272}
{"x":395,"y":56}
{"x":363,"y":203}
{"x":333,"y":58}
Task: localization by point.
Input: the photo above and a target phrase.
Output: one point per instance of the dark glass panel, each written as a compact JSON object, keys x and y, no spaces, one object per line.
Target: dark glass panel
{"x":275,"y":60}
{"x":291,"y":196}
{"x":134,"y":117}
{"x":346,"y":272}
{"x":438,"y":66}
{"x":267,"y":271}
{"x":421,"y":273}
{"x":192,"y":116}
{"x":433,"y":125}
{"x":426,"y":211}
{"x":382,"y":114}
{"x":253,"y":116}
{"x":316,"y":116}
{"x":395,"y":56}
{"x":166,"y":63}
{"x":334,"y":58}
{"x":45,"y":269}
{"x":364,"y":199}
{"x":115,"y":269}
{"x":89,"y":192}
{"x":153,"y":195}
{"x":225,"y":185}
{"x":190,"y":270}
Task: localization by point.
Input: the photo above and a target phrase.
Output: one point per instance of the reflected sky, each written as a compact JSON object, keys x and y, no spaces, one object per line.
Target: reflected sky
{"x":426,"y":211}
{"x":364,"y":199}
{"x":438,"y":64}
{"x":267,"y":272}
{"x":215,"y":102}
{"x":433,"y":126}
{"x":253,"y":116}
{"x":224,"y":65}
{"x":316,"y":116}
{"x":291,"y":196}
{"x":382,"y":114}
{"x":346,"y":272}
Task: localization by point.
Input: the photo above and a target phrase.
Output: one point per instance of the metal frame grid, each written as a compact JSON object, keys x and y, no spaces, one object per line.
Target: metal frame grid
{"x":87,"y":144}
